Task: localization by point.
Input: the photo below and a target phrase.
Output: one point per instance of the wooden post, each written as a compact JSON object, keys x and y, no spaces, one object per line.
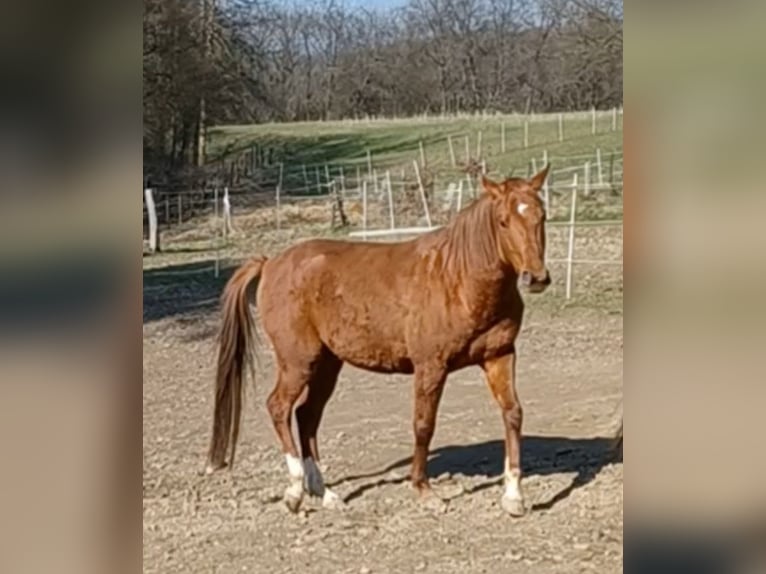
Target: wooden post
{"x":467,"y":150}
{"x":526,"y":133}
{"x":180,"y":208}
{"x":614,"y":119}
{"x":281,"y":169}
{"x":390,"y":199}
{"x":215,"y":203}
{"x":338,"y":206}
{"x":570,"y":250}
{"x":342,"y":181}
{"x":423,"y":194}
{"x":451,"y":151}
{"x":151,"y":210}
{"x":422,"y":154}
{"x":561,"y":127}
{"x":460,"y":195}
{"x":470,"y":185}
{"x":502,"y":137}
{"x":534,"y":166}
{"x":319,"y":180}
{"x":375,"y":183}
{"x":306,"y":182}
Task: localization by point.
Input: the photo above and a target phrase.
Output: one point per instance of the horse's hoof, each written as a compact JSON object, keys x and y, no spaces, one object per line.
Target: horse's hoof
{"x":211,"y":468}
{"x":332,"y":501}
{"x":293,"y":499}
{"x":514,"y":506}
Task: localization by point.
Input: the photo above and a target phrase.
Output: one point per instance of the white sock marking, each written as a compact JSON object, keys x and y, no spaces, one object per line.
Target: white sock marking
{"x":294,"y":467}
{"x":512,"y":482}
{"x":295,"y":470}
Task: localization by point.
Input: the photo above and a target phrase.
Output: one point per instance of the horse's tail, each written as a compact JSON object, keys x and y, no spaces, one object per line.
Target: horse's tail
{"x":235,"y":354}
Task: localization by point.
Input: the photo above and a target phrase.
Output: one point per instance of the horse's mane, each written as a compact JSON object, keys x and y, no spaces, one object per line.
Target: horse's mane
{"x":469,"y":242}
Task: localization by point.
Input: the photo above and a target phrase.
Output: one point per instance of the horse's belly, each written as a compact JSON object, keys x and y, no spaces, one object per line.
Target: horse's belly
{"x":368,"y":349}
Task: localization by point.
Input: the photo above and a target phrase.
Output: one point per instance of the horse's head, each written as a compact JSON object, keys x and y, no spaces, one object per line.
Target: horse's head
{"x":520,"y":216}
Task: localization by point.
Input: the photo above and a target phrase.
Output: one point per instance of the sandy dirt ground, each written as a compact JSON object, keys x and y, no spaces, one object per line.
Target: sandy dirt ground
{"x":570,"y":382}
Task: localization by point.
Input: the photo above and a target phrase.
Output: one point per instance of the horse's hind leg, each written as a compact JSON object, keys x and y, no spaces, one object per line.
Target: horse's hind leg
{"x":291,"y":382}
{"x":309,"y":416}
{"x":429,"y":384}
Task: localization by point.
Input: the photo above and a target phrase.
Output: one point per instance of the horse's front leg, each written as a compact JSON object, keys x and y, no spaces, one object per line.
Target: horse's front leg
{"x":500,"y":375}
{"x":429,"y":384}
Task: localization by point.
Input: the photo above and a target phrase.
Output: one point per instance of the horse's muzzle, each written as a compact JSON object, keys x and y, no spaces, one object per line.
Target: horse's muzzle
{"x":535,"y":283}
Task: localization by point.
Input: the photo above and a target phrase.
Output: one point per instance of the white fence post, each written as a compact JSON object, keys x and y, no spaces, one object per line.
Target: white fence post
{"x":151,"y":210}
{"x":422,"y":154}
{"x":546,"y":194}
{"x":390,"y":199}
{"x":364,"y":208}
{"x":478,"y":146}
{"x":467,"y":150}
{"x":369,"y":163}
{"x":614,"y":119}
{"x":227,"y":226}
{"x":598,"y":167}
{"x":451,"y":151}
{"x":423,"y":193}
{"x":570,"y":251}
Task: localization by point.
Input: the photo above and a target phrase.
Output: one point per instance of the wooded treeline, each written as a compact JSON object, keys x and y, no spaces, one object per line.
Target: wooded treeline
{"x":210,"y":62}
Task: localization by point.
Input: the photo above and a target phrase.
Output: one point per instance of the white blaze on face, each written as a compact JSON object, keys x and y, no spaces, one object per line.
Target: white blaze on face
{"x":522,"y":208}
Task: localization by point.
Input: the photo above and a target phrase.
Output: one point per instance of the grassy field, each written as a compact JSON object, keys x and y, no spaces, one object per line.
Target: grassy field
{"x":394,"y":144}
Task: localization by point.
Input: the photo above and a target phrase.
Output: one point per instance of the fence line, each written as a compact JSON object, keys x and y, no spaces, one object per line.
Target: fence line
{"x":521,"y":121}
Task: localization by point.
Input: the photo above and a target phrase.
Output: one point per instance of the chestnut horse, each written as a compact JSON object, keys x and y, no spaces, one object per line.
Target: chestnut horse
{"x":429,"y":306}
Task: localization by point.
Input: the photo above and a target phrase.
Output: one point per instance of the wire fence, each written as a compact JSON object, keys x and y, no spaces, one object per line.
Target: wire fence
{"x":383,"y":206}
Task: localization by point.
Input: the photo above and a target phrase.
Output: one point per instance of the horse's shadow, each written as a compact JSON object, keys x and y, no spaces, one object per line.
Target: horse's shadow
{"x":541,"y":455}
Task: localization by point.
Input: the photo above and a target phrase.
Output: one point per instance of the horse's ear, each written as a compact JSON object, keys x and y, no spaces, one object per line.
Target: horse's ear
{"x":537,"y":181}
{"x":491,"y":187}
